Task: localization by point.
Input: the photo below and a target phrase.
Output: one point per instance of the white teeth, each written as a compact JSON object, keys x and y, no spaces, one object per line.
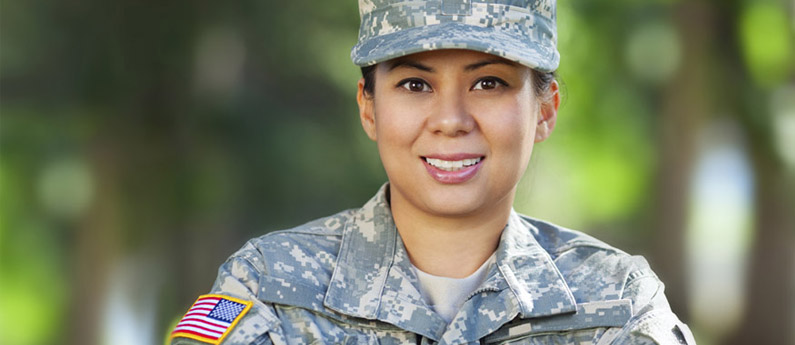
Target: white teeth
{"x":452,"y":165}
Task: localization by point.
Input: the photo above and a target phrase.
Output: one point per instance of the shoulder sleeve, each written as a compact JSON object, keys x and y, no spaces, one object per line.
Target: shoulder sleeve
{"x":652,"y":322}
{"x":239,"y":278}
{"x":240,"y":274}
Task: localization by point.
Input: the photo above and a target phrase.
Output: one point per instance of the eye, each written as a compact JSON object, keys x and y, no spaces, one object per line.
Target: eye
{"x":488,"y":83}
{"x":415,"y":85}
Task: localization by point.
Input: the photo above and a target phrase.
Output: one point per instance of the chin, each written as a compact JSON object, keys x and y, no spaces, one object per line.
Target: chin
{"x":454,"y":207}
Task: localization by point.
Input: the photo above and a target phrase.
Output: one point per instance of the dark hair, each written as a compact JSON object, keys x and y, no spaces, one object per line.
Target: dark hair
{"x":368,"y":73}
{"x":541,"y":80}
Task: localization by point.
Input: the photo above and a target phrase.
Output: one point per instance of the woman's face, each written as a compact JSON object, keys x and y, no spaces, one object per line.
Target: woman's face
{"x":455,"y":129}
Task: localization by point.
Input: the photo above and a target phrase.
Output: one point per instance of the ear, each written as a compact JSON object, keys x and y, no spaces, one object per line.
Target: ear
{"x":548,"y":112}
{"x":366,"y":114}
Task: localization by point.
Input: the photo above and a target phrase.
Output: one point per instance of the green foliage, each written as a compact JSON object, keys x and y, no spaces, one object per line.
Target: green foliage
{"x":766,"y":34}
{"x":596,"y":167}
{"x":33,"y":279}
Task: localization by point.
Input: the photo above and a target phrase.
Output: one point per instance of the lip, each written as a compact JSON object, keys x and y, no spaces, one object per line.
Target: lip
{"x":453,"y":177}
{"x":453,"y":156}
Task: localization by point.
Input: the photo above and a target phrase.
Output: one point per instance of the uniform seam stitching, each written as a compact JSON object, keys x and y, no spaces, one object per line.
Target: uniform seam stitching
{"x":585,"y":244}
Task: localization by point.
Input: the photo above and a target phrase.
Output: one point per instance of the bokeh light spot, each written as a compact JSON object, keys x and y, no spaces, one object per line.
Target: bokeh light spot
{"x":66,"y":187}
{"x":653,"y":51}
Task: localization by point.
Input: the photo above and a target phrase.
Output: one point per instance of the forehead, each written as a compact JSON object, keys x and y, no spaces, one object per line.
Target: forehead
{"x":460,"y":58}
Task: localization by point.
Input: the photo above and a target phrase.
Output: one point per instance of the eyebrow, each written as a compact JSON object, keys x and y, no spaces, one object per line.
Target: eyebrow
{"x":470,"y":67}
{"x":477,"y":65}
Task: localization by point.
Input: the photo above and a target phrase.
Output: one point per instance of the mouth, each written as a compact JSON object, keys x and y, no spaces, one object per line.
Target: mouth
{"x":452,"y":165}
{"x":453,"y":169}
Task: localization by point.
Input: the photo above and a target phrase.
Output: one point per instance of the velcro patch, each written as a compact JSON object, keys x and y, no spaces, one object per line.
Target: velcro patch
{"x":211,"y":318}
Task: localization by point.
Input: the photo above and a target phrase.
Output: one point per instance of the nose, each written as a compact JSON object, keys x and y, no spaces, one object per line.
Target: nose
{"x":451,"y":116}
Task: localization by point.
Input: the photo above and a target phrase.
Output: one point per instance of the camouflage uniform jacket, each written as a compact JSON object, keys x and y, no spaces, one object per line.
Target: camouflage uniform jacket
{"x":347,"y":279}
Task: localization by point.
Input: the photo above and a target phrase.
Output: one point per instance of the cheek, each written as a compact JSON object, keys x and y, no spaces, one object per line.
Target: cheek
{"x":510,"y":125}
{"x":512,"y":142}
{"x":394,"y":130}
{"x":396,"y":121}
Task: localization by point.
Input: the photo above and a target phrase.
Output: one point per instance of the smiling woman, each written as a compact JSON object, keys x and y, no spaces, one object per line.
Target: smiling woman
{"x":455,"y":130}
{"x":455,"y":94}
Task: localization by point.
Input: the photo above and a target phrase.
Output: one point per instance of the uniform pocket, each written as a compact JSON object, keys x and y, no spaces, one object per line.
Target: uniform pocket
{"x":590,"y":323}
{"x":365,"y":339}
{"x":656,"y":327}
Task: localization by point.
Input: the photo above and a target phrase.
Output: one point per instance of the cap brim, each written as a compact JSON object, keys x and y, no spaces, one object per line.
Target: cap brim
{"x":454,"y":35}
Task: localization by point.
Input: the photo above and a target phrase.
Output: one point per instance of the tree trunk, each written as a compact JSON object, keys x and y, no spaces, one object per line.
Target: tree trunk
{"x":685,"y":105}
{"x":770,"y":297}
{"x":96,"y":248}
{"x":769,"y":314}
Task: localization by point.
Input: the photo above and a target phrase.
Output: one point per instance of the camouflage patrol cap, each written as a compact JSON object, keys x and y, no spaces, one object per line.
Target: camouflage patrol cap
{"x":519,"y":30}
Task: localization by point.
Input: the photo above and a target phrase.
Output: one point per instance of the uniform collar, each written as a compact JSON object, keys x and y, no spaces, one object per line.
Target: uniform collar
{"x":531,"y":273}
{"x":373,"y":277}
{"x":369,"y":242}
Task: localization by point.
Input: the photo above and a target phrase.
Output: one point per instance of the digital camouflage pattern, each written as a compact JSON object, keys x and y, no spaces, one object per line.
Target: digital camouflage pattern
{"x":519,"y":30}
{"x":346,"y":279}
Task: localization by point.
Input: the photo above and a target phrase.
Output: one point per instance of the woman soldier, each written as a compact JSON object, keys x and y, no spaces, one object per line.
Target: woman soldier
{"x":455,"y":93}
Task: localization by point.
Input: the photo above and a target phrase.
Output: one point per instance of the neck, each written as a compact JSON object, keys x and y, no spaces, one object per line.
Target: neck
{"x":446,"y":246}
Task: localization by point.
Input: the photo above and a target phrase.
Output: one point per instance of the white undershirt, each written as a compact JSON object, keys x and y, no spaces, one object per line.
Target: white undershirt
{"x":447,"y":295}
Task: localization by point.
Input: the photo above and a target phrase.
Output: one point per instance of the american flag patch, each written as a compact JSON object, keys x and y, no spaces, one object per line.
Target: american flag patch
{"x":211,"y":318}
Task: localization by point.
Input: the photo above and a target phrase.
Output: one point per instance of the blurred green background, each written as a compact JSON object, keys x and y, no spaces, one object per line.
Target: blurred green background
{"x":142,"y":142}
